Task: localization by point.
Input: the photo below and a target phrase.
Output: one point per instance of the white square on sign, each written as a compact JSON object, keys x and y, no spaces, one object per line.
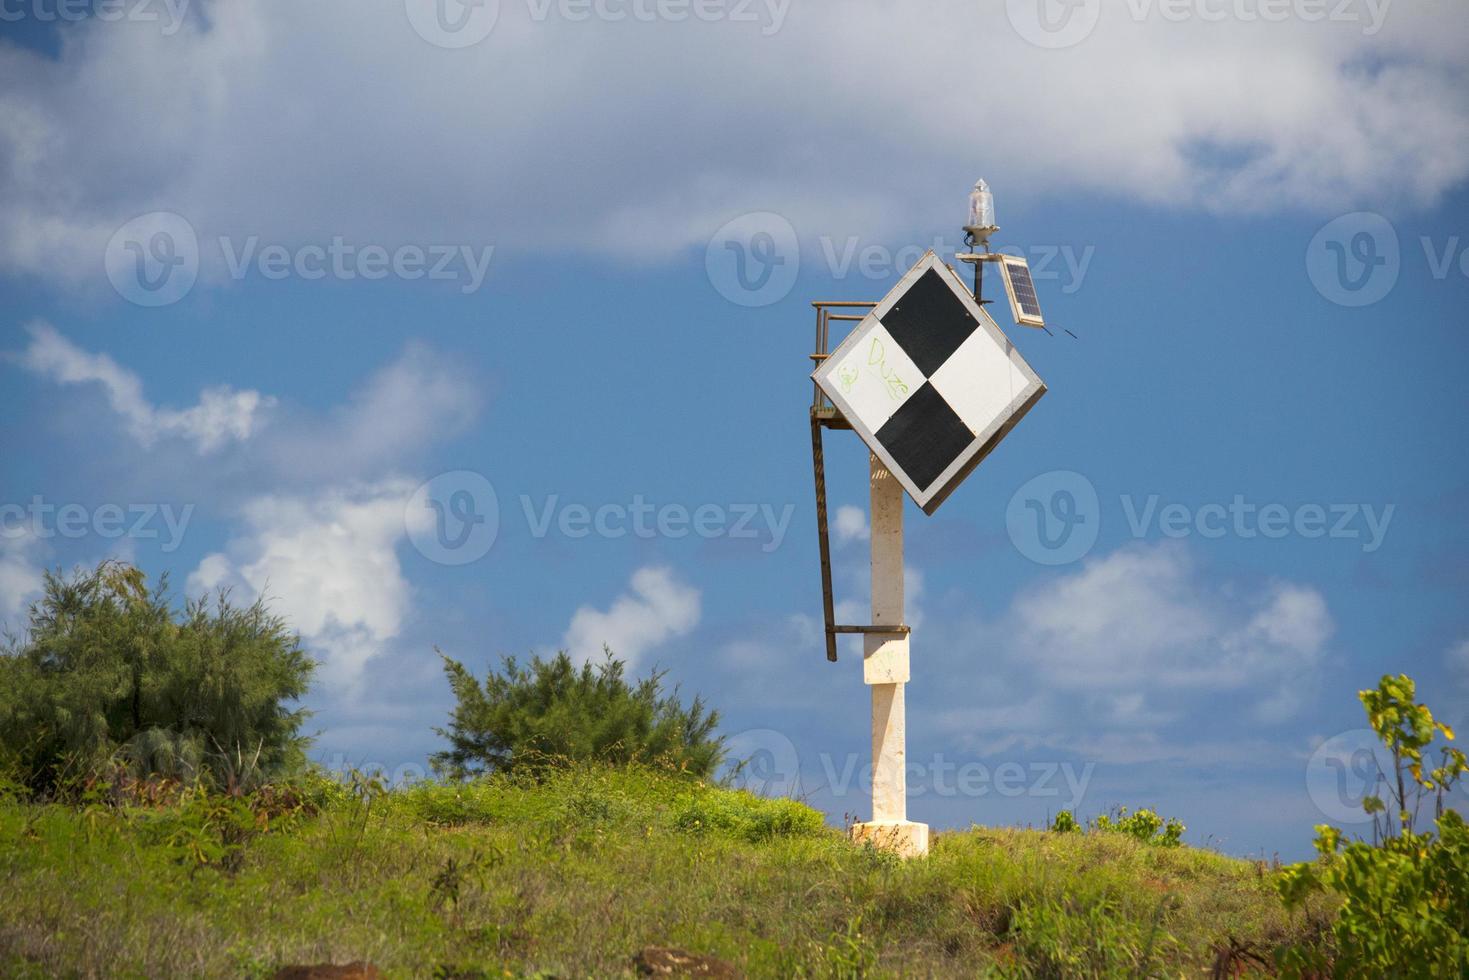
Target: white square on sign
{"x":874,"y":375}
{"x":980,"y":381}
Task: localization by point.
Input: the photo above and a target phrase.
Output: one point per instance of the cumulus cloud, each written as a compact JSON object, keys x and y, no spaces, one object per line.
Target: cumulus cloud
{"x":20,"y":576}
{"x":420,"y":398}
{"x":328,"y":564}
{"x":1143,"y":617}
{"x":1457,"y":660}
{"x":221,"y":416}
{"x":1108,"y":659}
{"x":302,"y":122}
{"x":656,"y":608}
{"x":850,"y":524}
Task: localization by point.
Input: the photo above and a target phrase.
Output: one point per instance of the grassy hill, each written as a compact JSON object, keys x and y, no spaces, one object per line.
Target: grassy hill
{"x":573,"y":876}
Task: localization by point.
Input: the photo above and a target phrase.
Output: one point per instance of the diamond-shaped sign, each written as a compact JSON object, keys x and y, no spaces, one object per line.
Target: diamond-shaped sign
{"x":929,"y":382}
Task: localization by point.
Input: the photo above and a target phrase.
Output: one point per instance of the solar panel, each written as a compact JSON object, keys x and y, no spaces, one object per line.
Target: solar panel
{"x":1024,"y":303}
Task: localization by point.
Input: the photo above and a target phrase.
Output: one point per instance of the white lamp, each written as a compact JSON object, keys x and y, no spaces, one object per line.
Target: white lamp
{"x":981,"y":215}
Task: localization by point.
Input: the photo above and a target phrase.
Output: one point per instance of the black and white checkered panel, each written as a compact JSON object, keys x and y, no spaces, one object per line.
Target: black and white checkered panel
{"x":925,"y":379}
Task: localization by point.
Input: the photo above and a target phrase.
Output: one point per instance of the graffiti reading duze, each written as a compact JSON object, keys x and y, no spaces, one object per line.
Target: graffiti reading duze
{"x":877,"y":361}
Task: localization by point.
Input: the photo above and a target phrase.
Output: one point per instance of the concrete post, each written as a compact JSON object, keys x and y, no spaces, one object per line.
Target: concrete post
{"x":885,"y":669}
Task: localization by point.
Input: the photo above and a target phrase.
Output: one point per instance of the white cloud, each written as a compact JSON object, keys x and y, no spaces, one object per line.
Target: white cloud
{"x":222,"y":415}
{"x":656,"y":608}
{"x":1457,"y":660}
{"x":850,"y":524}
{"x":328,"y":564}
{"x":20,"y":578}
{"x":299,"y":122}
{"x":419,"y":398}
{"x":1142,"y":617}
{"x":770,"y":648}
{"x":1130,"y":657}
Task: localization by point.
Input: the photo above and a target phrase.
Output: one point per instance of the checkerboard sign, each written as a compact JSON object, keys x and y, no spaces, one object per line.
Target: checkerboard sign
{"x":929,"y":382}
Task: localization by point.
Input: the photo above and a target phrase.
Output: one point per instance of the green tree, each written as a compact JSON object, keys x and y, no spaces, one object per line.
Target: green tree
{"x":550,"y":711}
{"x":1404,"y":899}
{"x":109,"y":674}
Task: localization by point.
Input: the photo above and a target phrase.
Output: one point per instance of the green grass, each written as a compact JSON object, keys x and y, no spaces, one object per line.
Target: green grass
{"x":572,"y":875}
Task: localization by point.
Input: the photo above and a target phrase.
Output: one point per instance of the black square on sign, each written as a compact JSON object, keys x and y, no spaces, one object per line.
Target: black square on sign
{"x":924,"y":436}
{"x":930,"y":322}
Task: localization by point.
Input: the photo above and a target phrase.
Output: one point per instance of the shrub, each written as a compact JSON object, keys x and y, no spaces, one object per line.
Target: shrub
{"x":1143,"y":825}
{"x":741,"y":814}
{"x":1404,"y":900}
{"x":549,"y":712}
{"x":110,"y":680}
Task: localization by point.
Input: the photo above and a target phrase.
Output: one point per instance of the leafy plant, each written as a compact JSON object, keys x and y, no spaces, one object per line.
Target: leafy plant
{"x":1407,"y":728}
{"x":1143,"y":825}
{"x":549,"y":712}
{"x":111,"y":682}
{"x":1404,"y":899}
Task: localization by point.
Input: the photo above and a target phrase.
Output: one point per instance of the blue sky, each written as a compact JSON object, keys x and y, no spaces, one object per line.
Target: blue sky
{"x":1209,"y":223}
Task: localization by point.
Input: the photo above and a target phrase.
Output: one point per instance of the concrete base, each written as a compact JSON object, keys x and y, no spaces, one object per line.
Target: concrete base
{"x":903,"y":837}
